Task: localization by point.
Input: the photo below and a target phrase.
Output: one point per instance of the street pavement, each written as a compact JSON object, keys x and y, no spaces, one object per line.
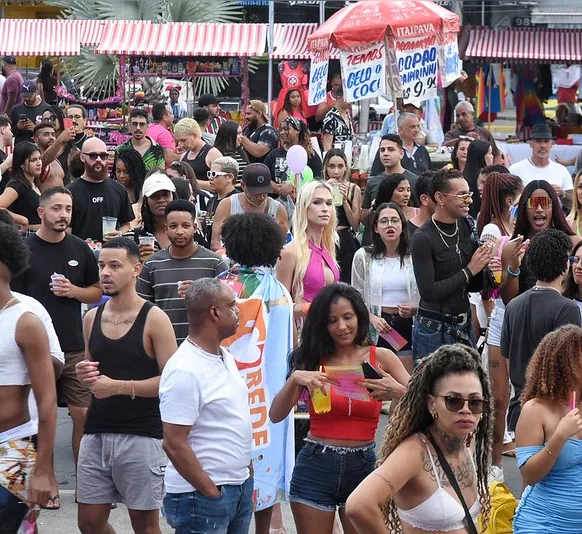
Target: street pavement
{"x":64,"y":521}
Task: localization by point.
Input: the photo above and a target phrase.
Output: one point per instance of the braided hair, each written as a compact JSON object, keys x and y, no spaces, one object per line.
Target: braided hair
{"x":412,"y":416}
{"x":135,"y":168}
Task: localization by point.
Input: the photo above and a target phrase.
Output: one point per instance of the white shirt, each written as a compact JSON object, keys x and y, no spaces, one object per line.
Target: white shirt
{"x":554,"y":173}
{"x":54,"y":346}
{"x":206,"y":392}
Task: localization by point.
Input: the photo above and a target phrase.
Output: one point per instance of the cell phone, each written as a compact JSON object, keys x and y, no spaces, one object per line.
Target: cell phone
{"x":67,"y":123}
{"x":370,"y":372}
{"x":23,"y":117}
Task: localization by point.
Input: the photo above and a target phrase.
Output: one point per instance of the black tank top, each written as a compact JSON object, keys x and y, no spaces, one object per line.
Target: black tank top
{"x":124,"y":359}
{"x":198,"y":164}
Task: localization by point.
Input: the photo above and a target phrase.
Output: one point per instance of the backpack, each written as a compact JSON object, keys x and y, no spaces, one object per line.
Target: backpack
{"x":503,"y":505}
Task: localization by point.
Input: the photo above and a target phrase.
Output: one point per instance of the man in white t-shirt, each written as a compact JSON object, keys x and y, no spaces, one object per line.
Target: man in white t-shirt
{"x":540,"y":167}
{"x":207,"y":423}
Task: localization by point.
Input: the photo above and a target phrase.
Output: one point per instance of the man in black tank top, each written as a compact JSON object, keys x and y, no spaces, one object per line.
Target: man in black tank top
{"x":127,"y":343}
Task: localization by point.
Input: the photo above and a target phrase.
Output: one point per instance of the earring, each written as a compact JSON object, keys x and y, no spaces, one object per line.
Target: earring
{"x":434,"y":415}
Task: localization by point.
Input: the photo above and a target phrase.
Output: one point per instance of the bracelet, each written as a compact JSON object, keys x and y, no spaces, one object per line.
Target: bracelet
{"x":513,"y":274}
{"x":132,"y":391}
{"x":466,"y":272}
{"x":549,"y":452}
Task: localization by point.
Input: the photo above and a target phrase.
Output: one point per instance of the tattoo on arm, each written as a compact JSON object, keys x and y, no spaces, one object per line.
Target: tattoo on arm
{"x":494,"y":364}
{"x":385,"y":480}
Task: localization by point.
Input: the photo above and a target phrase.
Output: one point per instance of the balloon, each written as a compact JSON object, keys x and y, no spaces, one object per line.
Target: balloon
{"x":306,"y":176}
{"x":296,"y":158}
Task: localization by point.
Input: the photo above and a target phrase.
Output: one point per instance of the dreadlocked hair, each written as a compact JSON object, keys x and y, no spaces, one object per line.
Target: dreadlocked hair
{"x":412,"y":416}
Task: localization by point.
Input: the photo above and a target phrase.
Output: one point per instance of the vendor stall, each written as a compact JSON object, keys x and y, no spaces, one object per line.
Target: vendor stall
{"x":187,"y":50}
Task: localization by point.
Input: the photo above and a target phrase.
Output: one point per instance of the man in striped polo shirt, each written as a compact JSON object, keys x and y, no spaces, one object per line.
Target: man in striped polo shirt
{"x":167,"y":274}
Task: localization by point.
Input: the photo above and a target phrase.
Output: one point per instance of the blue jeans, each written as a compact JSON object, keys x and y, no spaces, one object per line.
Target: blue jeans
{"x":325,"y":476}
{"x":426,"y":340}
{"x":12,"y":512}
{"x":192,"y":513}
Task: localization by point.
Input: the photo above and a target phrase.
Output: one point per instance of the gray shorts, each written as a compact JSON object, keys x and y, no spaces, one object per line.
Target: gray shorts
{"x":121,"y":468}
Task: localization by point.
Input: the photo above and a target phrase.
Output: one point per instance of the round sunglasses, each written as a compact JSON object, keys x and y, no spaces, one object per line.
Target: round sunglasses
{"x":455,"y":403}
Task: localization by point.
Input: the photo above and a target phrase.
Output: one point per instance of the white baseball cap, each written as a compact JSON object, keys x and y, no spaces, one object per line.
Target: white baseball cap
{"x":157,"y":182}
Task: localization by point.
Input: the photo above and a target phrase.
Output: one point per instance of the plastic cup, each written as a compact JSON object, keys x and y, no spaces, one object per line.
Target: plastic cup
{"x":56,"y":280}
{"x":338,"y":198}
{"x":321,"y":401}
{"x":146,"y":240}
{"x":109,"y":225}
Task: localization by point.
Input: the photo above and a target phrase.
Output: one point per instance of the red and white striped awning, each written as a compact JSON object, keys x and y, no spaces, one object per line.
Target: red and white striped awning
{"x":290,"y":41}
{"x":186,"y":39}
{"x":92,"y":31}
{"x":39,"y":37}
{"x":525,"y":45}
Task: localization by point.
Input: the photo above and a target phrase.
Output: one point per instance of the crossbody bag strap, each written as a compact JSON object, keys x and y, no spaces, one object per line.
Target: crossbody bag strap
{"x":451,"y":476}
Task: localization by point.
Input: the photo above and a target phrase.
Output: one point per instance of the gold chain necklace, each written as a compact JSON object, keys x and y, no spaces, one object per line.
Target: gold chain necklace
{"x":13,"y":299}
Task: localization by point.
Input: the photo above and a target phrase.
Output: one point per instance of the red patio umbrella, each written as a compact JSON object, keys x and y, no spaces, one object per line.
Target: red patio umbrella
{"x":371,"y":21}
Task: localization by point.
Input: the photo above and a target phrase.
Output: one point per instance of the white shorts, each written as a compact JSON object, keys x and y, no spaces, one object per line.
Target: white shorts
{"x":496,"y":324}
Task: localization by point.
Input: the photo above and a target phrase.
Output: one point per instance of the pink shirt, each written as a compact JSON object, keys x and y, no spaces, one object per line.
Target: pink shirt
{"x":161,"y":135}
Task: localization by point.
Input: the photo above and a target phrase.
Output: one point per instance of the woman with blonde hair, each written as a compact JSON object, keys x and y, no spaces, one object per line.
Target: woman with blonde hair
{"x":195,"y":151}
{"x":308,"y":263}
{"x":576,"y":213}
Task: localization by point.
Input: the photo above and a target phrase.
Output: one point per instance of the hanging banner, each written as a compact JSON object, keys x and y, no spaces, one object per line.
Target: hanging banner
{"x":364,"y":72}
{"x":417,"y":63}
{"x":318,"y":76}
{"x":450,"y":64}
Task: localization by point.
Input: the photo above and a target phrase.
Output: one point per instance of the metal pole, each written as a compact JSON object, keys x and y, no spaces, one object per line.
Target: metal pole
{"x":271,"y":50}
{"x":482,"y":12}
{"x":322,"y":12}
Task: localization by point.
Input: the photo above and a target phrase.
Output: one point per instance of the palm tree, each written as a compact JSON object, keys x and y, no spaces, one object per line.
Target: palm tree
{"x":99,"y":73}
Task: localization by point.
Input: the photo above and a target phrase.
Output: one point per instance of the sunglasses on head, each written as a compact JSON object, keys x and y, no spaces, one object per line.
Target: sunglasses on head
{"x":455,"y":403}
{"x":535,"y":202}
{"x":94,"y":155}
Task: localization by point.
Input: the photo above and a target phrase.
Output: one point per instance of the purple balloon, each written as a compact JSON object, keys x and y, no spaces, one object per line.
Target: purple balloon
{"x":296,"y":158}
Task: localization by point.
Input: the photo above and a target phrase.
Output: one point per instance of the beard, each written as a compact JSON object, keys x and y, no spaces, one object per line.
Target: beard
{"x":110,"y":293}
{"x":95,"y":174}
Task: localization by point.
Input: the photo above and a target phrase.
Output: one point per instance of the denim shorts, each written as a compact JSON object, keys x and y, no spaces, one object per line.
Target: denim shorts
{"x":426,"y":340}
{"x":325,"y":476}
{"x":192,"y":513}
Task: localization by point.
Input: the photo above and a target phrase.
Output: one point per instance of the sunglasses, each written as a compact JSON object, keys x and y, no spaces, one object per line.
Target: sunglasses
{"x":574,"y":260}
{"x":211,"y":175}
{"x":533,"y":203}
{"x":462,"y":196}
{"x":454,"y":403}
{"x":94,"y":155}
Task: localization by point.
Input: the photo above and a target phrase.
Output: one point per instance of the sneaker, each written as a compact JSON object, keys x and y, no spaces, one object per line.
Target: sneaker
{"x":495,"y":474}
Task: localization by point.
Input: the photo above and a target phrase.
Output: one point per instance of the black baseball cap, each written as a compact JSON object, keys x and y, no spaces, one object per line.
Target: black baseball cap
{"x":207,"y":99}
{"x":257,"y":179}
{"x":11,"y":60}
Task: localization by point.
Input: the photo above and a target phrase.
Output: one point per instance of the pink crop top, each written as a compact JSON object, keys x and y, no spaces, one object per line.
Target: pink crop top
{"x":314,"y":279}
{"x":348,"y":419}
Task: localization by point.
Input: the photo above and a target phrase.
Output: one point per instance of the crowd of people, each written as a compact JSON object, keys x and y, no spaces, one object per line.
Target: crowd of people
{"x":184,"y":298}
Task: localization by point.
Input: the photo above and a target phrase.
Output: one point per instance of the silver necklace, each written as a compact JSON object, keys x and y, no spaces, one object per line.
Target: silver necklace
{"x":442,"y":235}
{"x":200,"y":348}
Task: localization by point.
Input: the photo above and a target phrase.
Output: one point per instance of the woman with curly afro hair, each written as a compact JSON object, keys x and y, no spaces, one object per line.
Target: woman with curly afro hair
{"x":549,"y":437}
{"x":446,"y":407}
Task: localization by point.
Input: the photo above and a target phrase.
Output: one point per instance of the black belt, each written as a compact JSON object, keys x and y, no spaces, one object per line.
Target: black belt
{"x":457,"y":320}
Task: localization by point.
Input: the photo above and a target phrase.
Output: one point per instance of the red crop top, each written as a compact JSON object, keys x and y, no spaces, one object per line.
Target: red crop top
{"x":348,"y":419}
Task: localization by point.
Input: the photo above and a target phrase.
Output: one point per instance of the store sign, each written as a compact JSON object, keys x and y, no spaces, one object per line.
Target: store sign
{"x":417,"y":64}
{"x":364,"y":72}
{"x":450,"y":63}
{"x":145,"y":66}
{"x":318,"y":77}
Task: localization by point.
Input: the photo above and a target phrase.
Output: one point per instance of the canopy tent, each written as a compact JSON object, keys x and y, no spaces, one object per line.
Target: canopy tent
{"x":291,"y":41}
{"x":186,"y":39}
{"x":39,"y":37}
{"x":525,"y":45}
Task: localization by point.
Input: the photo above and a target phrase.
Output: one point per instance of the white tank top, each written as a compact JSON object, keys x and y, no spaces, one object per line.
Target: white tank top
{"x":394,"y":284}
{"x":13,"y":370}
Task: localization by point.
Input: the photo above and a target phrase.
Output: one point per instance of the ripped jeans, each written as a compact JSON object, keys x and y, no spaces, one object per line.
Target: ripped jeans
{"x":192,"y":513}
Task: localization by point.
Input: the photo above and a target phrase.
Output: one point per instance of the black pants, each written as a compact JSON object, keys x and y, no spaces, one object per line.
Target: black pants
{"x":348,"y":245}
{"x":402,"y":325}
